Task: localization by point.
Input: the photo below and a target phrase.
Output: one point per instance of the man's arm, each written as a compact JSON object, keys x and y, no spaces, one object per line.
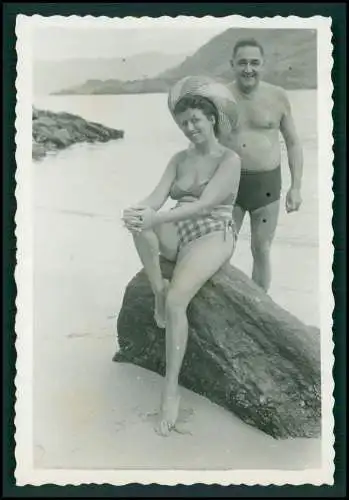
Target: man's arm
{"x":293,"y":144}
{"x":295,"y":156}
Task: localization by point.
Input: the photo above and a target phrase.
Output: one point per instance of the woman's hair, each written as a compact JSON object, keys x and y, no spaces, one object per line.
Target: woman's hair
{"x":201,"y":103}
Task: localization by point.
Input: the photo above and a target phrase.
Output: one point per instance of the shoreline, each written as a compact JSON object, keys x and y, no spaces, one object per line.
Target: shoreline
{"x":155,"y":91}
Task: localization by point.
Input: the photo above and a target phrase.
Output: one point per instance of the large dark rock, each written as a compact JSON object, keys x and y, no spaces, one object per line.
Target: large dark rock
{"x":54,"y":131}
{"x":244,"y":352}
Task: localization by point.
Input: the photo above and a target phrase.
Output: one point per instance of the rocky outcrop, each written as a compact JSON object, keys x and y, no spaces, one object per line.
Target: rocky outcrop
{"x":244,"y":352}
{"x":54,"y":131}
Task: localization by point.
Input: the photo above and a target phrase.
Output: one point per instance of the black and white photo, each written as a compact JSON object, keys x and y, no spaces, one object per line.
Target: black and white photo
{"x":174,"y":250}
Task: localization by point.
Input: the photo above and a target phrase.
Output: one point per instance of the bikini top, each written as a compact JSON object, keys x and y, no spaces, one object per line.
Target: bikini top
{"x":193,"y":189}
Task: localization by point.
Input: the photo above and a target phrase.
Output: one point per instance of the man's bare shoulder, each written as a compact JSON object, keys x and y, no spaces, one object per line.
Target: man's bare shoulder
{"x":277,"y":94}
{"x":274,"y":90}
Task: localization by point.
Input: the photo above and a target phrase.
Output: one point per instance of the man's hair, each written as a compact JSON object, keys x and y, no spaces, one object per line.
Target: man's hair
{"x":247,"y":42}
{"x":198,"y":102}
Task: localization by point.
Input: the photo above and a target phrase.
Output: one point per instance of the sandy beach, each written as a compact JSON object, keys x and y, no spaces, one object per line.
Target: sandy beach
{"x":91,"y":413}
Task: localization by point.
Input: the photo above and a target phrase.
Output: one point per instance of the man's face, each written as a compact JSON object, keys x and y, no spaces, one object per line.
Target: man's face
{"x":248,"y":64}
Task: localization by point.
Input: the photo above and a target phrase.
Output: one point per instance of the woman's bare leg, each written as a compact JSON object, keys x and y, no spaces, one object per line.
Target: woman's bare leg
{"x":148,"y":244}
{"x":200,"y":261}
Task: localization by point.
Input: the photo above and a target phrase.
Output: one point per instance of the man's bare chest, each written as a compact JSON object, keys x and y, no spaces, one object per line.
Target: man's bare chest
{"x":259,"y":114}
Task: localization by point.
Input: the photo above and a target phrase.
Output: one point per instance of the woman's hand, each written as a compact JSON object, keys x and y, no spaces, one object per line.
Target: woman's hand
{"x":134,"y":210}
{"x":138,"y":219}
{"x":148,"y":218}
{"x":130,"y":216}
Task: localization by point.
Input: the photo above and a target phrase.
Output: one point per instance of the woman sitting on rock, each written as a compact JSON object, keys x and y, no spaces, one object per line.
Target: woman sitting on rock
{"x":198,"y":233}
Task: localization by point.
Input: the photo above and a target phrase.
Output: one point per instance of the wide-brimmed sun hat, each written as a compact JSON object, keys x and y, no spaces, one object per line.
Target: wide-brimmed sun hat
{"x":214,"y":91}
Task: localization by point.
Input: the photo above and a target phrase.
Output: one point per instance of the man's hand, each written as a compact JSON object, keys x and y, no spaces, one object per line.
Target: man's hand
{"x":293,"y":200}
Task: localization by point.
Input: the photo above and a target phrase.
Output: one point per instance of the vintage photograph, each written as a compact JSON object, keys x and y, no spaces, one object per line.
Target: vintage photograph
{"x":174,"y":250}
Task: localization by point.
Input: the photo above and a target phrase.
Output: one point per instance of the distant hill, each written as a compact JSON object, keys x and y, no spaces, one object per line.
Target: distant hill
{"x":291,"y":56}
{"x":118,"y":87}
{"x":51,"y":76}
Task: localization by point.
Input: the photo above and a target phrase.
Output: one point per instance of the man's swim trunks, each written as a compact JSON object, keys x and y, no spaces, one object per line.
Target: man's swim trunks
{"x":258,"y":189}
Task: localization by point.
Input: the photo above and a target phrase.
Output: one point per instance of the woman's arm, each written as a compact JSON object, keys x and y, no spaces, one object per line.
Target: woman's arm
{"x":160,"y":194}
{"x":224,"y":183}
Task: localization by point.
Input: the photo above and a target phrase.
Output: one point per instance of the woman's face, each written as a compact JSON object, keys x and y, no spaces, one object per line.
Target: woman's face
{"x":196,"y":125}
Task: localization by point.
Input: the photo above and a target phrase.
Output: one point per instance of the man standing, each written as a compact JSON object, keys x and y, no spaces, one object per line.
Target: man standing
{"x":264,"y":111}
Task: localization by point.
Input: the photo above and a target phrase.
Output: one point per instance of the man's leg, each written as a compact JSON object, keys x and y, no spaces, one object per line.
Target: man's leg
{"x":263,"y":225}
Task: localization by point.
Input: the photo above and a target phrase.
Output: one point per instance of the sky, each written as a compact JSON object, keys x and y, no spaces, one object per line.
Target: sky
{"x":64,"y":42}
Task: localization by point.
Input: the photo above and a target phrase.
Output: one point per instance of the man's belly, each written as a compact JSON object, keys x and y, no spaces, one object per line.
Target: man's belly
{"x":258,"y":150}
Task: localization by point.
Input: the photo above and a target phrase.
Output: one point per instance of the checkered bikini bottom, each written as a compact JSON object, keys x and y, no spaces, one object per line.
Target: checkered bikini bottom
{"x":219,"y":219}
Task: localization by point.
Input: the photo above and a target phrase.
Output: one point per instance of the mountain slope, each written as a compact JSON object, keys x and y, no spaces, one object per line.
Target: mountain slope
{"x":51,"y":76}
{"x":290,"y":55}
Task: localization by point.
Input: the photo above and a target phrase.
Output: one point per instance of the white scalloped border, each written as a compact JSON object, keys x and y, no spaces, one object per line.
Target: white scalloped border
{"x":25,"y":472}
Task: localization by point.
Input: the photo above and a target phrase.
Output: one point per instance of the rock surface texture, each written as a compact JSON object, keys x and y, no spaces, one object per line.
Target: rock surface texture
{"x":244,"y":352}
{"x":54,"y":131}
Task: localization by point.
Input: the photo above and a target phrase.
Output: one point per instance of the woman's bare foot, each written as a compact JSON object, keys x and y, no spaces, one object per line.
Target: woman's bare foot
{"x":160,"y":306}
{"x":168,"y":413}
